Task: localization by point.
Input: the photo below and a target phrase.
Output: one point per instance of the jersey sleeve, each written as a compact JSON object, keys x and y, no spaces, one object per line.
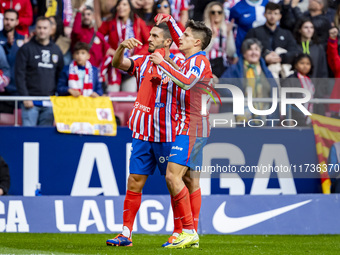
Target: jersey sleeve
{"x":137,"y":61}
{"x":184,"y":80}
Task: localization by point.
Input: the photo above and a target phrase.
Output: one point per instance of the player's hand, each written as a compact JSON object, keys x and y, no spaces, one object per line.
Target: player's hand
{"x":333,"y":33}
{"x":28,"y":104}
{"x":273,"y":58}
{"x":161,"y":18}
{"x":130,"y":43}
{"x":94,"y":95}
{"x":74,"y":92}
{"x":156,"y":58}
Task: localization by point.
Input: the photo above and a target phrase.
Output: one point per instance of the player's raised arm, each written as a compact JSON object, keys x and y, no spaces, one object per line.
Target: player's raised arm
{"x":118,"y":60}
{"x":175,"y":31}
{"x":185,"y":81}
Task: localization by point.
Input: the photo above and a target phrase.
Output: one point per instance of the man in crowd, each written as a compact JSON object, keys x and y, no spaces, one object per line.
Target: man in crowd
{"x":37,"y":69}
{"x":273,"y":36}
{"x":83,"y":31}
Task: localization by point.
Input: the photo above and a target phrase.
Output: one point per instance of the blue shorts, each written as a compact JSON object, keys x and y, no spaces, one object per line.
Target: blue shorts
{"x":145,"y":156}
{"x":187,"y":150}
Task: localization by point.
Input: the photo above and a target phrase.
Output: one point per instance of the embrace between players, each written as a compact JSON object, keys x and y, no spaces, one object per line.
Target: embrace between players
{"x":167,"y":123}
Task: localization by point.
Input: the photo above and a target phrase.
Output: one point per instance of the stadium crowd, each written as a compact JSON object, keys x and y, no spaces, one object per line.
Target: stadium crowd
{"x":289,"y":43}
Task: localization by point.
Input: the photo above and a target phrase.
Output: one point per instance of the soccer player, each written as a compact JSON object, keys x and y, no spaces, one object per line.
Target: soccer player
{"x":152,"y":121}
{"x":194,"y":79}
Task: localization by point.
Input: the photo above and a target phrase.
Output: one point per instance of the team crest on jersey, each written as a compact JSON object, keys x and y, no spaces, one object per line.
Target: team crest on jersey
{"x":195,"y":71}
{"x":20,"y":43}
{"x":165,"y":78}
{"x":55,"y":58}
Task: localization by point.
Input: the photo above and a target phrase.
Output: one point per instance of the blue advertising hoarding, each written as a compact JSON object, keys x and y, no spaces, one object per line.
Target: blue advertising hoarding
{"x":220,"y":214}
{"x":79,"y":165}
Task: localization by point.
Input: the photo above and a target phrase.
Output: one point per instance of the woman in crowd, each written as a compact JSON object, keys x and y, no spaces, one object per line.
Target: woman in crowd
{"x":124,"y":24}
{"x":301,"y":78}
{"x":250,"y":72}
{"x":308,"y":44}
{"x":59,"y":38}
{"x":222,"y":46}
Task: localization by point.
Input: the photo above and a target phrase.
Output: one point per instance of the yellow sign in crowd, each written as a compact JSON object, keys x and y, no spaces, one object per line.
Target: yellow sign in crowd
{"x":84,"y":115}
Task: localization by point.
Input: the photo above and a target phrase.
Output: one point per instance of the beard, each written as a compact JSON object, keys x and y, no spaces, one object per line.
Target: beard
{"x":155,"y":48}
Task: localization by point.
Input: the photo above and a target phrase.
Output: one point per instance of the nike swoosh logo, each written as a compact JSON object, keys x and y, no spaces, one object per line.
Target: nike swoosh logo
{"x":225,"y":224}
{"x":246,"y":15}
{"x":178,"y":242}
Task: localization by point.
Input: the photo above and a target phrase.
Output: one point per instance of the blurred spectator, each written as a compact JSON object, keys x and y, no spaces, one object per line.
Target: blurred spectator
{"x":80,"y":77}
{"x":24,"y":9}
{"x":279,"y":46}
{"x":227,"y":5}
{"x":4,"y":71}
{"x":4,"y":177}
{"x":83,"y":31}
{"x":247,"y":15}
{"x":222,"y":44}
{"x":198,"y":8}
{"x":59,"y":38}
{"x":179,"y":10}
{"x":163,"y":6}
{"x":125,"y":24}
{"x":333,"y":161}
{"x":303,"y":68}
{"x":147,"y":13}
{"x":37,"y":68}
{"x":50,"y":8}
{"x":316,"y":11}
{"x":250,"y":71}
{"x":11,"y":41}
{"x":102,"y":10}
{"x":337,"y":17}
{"x":308,"y":44}
{"x":333,"y":59}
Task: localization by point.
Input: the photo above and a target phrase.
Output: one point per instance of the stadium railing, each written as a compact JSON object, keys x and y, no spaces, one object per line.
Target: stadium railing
{"x":131,"y":99}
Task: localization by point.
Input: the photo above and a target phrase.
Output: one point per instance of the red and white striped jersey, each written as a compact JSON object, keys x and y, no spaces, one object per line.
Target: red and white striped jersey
{"x":153,"y":117}
{"x":177,"y":6}
{"x":195,"y":80}
{"x":218,"y":49}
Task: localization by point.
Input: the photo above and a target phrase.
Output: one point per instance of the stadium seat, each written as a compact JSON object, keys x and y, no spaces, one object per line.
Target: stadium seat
{"x":8,"y":119}
{"x":123,"y":109}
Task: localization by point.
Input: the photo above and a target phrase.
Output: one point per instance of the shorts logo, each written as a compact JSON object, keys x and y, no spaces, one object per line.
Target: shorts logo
{"x":177,"y":148}
{"x":161,"y":159}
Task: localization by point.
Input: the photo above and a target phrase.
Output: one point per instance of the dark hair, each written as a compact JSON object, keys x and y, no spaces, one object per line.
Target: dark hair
{"x":199,"y":28}
{"x":81,"y":46}
{"x":302,"y":56}
{"x":132,"y":12}
{"x":166,"y":31}
{"x":42,"y":18}
{"x":12,"y":10}
{"x":272,"y":7}
{"x":88,"y":8}
{"x":248,"y":43}
{"x":154,"y":9}
{"x":60,"y":27}
{"x":298,"y":26}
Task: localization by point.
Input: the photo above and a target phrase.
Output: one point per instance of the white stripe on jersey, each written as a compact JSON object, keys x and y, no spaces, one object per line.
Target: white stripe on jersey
{"x":130,"y":119}
{"x":149,"y":126}
{"x":135,"y":122}
{"x":141,"y":126}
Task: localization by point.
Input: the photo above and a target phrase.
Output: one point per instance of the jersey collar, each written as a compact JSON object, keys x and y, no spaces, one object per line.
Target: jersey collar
{"x":198,"y":53}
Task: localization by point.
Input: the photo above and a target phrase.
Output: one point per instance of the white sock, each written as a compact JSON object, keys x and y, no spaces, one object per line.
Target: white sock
{"x":126,"y":232}
{"x":175,"y":234}
{"x":189,"y":231}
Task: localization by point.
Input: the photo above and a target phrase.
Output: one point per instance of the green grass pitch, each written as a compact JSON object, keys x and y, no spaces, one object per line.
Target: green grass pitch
{"x":11,"y":243}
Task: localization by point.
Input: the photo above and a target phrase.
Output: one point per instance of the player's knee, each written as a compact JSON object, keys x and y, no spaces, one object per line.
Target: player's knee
{"x":135,"y":184}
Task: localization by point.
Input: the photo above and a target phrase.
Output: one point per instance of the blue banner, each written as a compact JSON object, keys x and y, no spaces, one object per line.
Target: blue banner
{"x":220,"y":214}
{"x":79,"y":165}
